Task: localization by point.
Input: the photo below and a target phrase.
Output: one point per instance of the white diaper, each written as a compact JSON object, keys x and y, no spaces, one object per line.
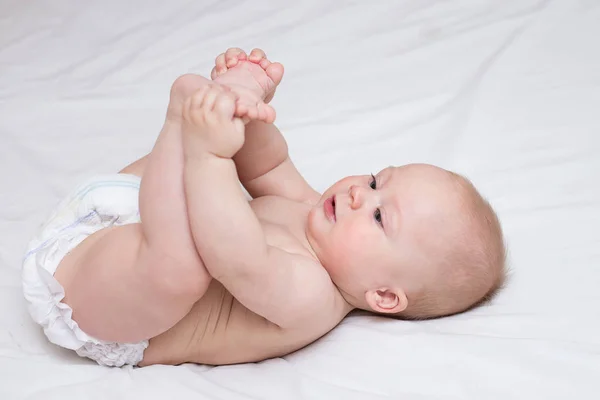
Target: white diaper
{"x":100,"y":202}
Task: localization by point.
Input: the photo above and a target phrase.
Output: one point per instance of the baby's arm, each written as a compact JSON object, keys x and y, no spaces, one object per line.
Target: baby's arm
{"x":265,"y":168}
{"x":286,"y":289}
{"x":263,"y":163}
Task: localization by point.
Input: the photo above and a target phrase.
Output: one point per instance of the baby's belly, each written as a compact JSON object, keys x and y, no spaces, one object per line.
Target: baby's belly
{"x":219,"y":330}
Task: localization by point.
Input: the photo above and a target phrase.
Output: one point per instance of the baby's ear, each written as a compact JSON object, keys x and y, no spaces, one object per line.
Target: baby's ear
{"x":387,"y":300}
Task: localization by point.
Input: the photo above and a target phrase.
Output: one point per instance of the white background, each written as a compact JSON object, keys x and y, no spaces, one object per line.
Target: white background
{"x":505,"y":92}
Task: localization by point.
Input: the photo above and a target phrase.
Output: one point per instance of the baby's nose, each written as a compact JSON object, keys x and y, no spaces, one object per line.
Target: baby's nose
{"x":356,"y":197}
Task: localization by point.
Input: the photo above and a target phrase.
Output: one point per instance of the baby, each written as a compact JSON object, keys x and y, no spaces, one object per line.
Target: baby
{"x":168,"y":262}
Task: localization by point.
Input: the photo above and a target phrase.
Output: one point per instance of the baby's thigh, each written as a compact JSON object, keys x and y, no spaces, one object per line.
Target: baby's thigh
{"x":89,"y":273}
{"x":120,"y":290}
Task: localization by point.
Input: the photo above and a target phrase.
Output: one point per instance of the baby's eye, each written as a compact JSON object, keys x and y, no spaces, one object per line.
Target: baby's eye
{"x":377,"y":216}
{"x":373,"y":183}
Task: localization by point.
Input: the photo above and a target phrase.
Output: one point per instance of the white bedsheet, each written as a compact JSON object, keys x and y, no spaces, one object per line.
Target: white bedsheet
{"x":506,"y":92}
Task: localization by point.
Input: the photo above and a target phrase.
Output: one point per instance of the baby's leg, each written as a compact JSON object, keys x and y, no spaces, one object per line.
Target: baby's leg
{"x":133,"y":282}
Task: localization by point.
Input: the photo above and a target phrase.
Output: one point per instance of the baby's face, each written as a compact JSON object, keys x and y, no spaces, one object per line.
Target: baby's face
{"x":369,"y":231}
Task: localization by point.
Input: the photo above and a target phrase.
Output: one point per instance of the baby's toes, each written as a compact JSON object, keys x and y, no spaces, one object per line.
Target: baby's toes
{"x":275,"y":72}
{"x":233,"y":55}
{"x":256,"y":55}
{"x":220,"y":65}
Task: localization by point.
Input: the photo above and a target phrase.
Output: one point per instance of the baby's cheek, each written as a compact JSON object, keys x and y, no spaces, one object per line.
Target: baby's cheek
{"x":351,"y":242}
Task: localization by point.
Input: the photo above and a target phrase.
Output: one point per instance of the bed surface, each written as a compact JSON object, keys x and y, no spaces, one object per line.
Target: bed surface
{"x":507,"y":93}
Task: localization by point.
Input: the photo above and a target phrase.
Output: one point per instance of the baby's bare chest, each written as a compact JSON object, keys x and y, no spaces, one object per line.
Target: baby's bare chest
{"x":283,"y":222}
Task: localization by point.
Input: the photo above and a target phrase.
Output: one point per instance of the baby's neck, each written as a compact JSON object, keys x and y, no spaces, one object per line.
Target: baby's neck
{"x":349,"y":299}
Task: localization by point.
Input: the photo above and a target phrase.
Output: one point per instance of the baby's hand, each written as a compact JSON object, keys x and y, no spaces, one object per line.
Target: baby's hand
{"x":209,"y":124}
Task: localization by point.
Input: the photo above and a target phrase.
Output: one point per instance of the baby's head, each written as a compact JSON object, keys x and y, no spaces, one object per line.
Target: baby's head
{"x":413,"y":242}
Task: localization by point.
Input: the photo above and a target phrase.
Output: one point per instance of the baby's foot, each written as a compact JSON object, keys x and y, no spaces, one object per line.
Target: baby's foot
{"x":268,"y":81}
{"x":209,"y":123}
{"x":253,"y":78}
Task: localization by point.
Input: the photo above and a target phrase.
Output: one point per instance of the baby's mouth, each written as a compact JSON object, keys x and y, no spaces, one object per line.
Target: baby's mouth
{"x":329,"y":208}
{"x":333,"y":204}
